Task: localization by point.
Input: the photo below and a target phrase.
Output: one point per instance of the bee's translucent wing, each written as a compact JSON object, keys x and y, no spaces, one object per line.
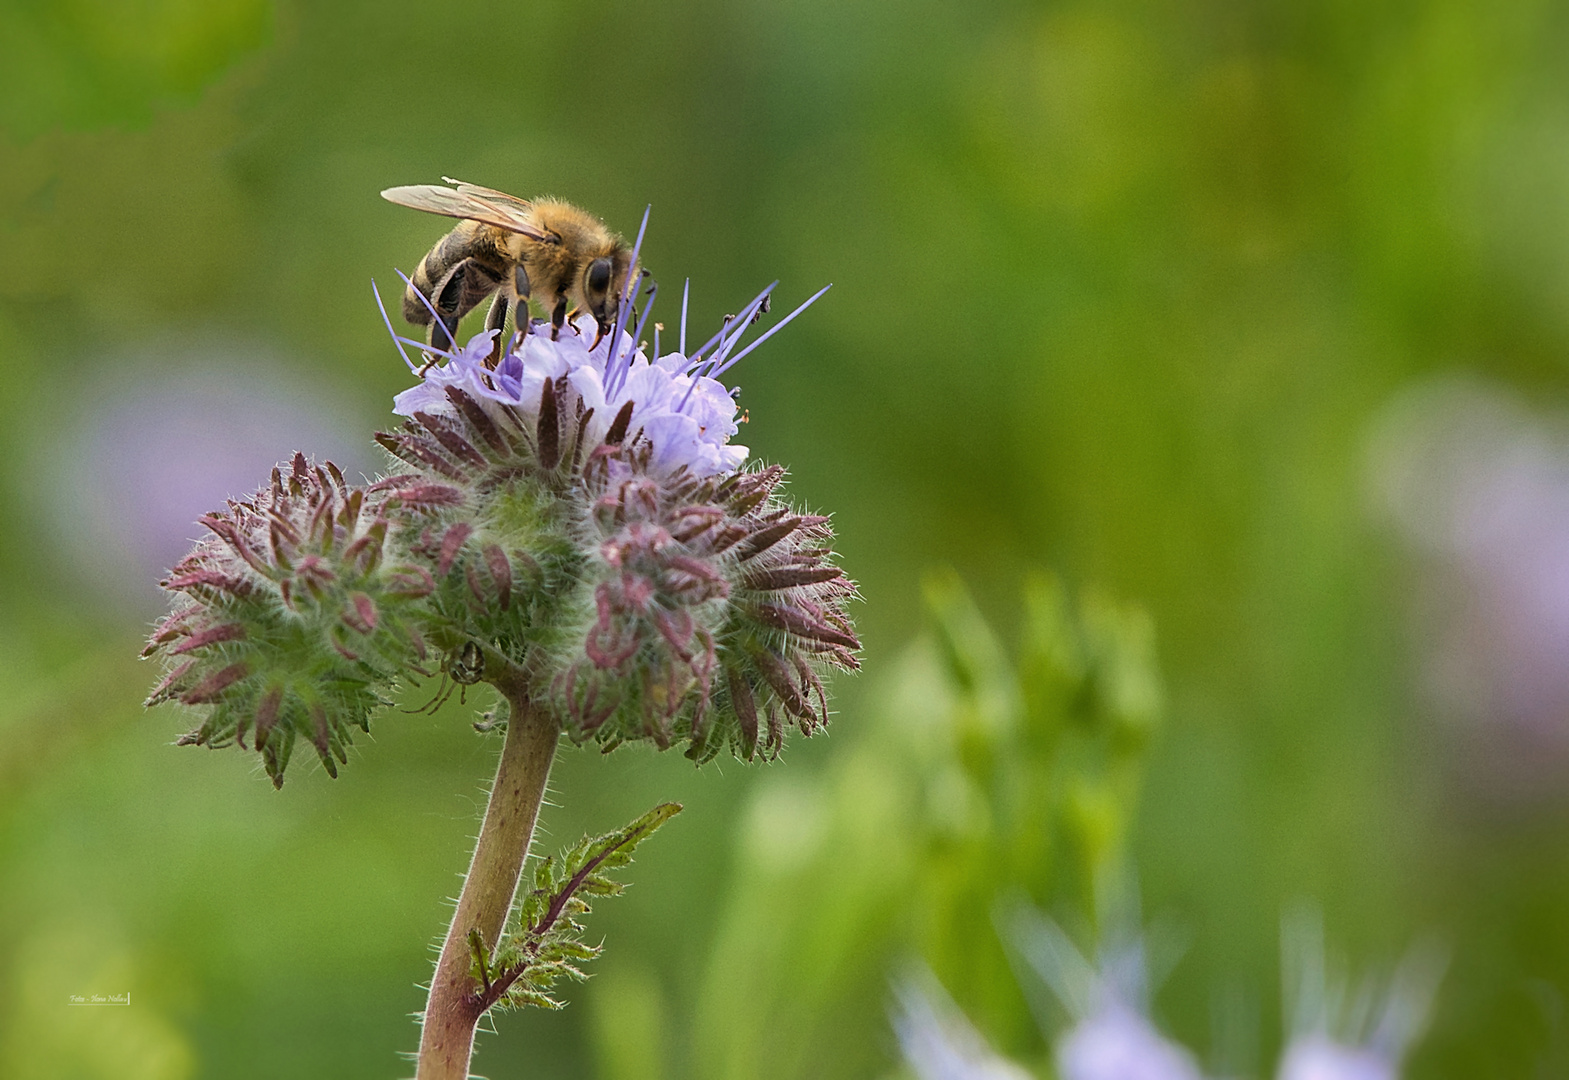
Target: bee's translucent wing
{"x":433,"y":199}
{"x":500,"y":198}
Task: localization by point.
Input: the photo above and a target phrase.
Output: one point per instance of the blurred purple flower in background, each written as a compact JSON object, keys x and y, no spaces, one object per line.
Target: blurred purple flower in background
{"x":1336,"y":1031}
{"x":1119,"y":1043}
{"x":1341,"y":1032}
{"x":1111,"y":1036}
{"x":145,"y":450}
{"x":1315,"y":1057}
{"x":1478,"y":484}
{"x":938,"y":1042}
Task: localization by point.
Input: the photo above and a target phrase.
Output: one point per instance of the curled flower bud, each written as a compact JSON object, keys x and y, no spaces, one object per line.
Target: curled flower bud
{"x":291,"y":621}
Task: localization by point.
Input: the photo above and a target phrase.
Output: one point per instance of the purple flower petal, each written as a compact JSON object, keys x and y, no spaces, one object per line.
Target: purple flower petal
{"x":686,"y":420}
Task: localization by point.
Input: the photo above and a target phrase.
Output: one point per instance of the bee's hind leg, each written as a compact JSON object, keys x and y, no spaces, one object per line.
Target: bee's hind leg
{"x":443,"y":332}
{"x":447,"y":307}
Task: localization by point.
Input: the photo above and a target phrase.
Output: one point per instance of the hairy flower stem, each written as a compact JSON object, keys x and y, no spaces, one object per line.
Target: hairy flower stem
{"x":454,"y":1006}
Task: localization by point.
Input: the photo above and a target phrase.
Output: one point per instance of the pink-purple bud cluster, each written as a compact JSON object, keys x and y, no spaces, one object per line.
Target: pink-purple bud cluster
{"x":291,"y":619}
{"x":706,"y":593}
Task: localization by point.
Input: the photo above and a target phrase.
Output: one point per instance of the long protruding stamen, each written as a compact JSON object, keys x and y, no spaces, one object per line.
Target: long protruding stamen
{"x":741,"y":323}
{"x":698,"y":367}
{"x":427,"y":350}
{"x":744,"y":319}
{"x":772,"y":330}
{"x":637,"y":335}
{"x":424,"y":347}
{"x":686,"y":291}
{"x":615,"y":370}
{"x":396,"y":340}
{"x":653,"y":294}
{"x":623,"y":371}
{"x":628,"y":290}
{"x":621,"y":363}
{"x":753,"y":312}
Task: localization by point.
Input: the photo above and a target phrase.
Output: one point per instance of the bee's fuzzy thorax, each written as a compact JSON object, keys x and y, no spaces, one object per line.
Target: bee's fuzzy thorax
{"x":519,"y":250}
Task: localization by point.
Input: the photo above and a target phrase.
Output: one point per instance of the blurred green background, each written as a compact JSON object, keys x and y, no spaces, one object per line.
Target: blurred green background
{"x":1122,"y":290}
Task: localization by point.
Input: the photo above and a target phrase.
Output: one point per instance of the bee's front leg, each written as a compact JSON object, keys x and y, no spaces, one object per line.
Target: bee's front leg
{"x":520,"y":288}
{"x":496,"y":319}
{"x":558,"y":318}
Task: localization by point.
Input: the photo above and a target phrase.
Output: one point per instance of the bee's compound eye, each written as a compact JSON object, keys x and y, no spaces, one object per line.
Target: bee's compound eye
{"x":599,"y":276}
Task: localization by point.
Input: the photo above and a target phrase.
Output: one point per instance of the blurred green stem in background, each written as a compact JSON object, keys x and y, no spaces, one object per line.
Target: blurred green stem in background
{"x":979,"y":777}
{"x":454,"y":1006}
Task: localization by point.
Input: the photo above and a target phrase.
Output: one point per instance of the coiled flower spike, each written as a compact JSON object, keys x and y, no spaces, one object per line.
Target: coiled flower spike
{"x":292,"y":620}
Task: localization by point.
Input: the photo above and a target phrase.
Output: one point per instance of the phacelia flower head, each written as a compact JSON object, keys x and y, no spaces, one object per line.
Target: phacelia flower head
{"x":568,"y":506}
{"x":686,"y":418}
{"x":685,"y":601}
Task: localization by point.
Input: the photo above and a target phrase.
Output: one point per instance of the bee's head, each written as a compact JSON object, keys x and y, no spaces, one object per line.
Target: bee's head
{"x":603,"y":279}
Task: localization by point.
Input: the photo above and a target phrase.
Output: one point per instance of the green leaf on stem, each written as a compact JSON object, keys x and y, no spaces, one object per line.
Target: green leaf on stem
{"x":548,"y":943}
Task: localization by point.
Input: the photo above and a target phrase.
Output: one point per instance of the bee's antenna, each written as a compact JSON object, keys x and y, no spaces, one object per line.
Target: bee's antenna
{"x":686,"y":290}
{"x":772,"y":330}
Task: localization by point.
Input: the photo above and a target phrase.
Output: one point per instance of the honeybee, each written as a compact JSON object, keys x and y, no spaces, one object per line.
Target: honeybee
{"x":546,"y":249}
